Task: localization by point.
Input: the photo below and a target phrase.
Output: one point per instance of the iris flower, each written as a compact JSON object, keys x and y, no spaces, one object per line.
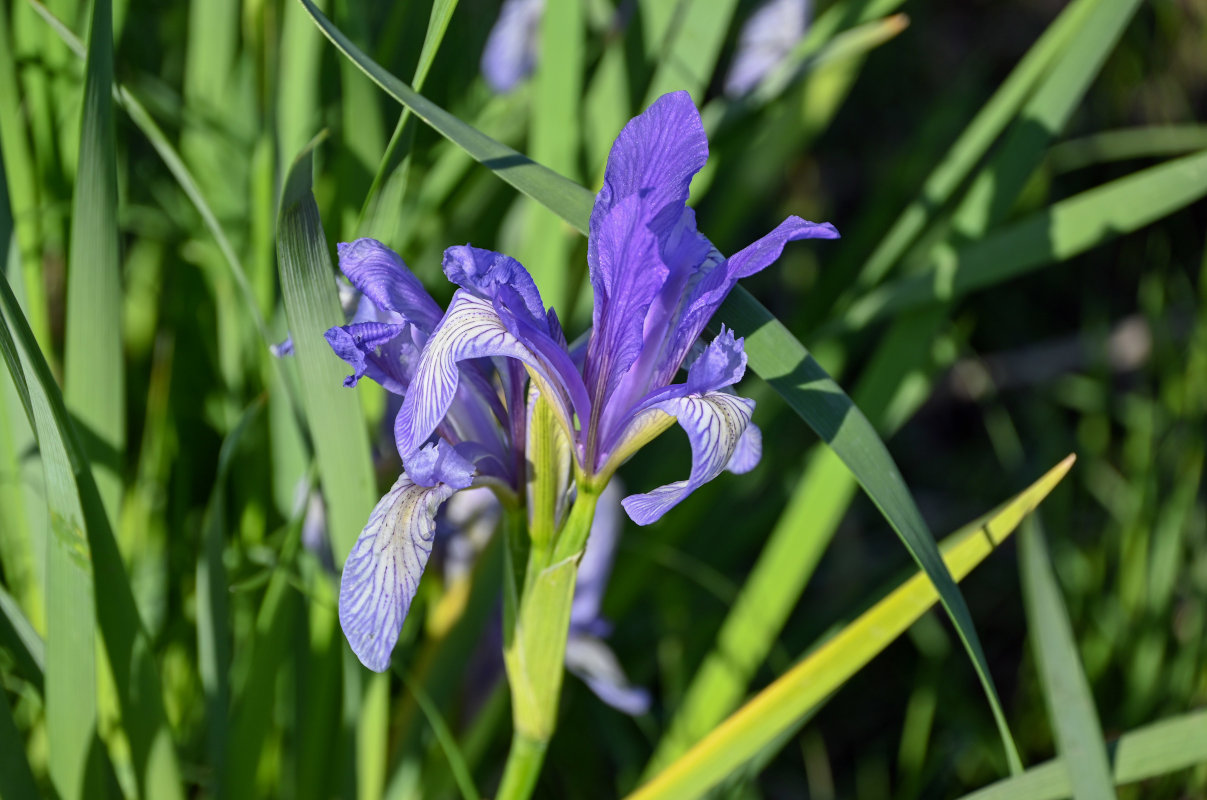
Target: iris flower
{"x":657,"y":281}
{"x":766,"y":39}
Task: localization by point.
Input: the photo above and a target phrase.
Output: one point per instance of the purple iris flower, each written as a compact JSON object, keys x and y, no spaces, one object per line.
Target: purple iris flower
{"x":465,"y":377}
{"x":768,"y":36}
{"x":511,"y":47}
{"x":657,"y":281}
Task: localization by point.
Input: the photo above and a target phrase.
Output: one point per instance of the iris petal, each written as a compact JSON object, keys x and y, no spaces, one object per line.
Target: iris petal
{"x":471,"y":328}
{"x":714,"y":424}
{"x":358,"y":345}
{"x":380,"y":274}
{"x":382,"y":572}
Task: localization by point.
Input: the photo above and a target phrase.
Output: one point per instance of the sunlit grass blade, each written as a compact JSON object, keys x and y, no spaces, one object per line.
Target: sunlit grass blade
{"x":1147,"y":752}
{"x":828,"y":667}
{"x":691,"y":49}
{"x":81,"y":529}
{"x":1055,"y":234}
{"x":1127,"y":143}
{"x":1066,"y":691}
{"x":337,"y":424}
{"x":94,"y":370}
{"x":972,"y":145}
{"x":448,"y":744}
{"x":772,"y":351}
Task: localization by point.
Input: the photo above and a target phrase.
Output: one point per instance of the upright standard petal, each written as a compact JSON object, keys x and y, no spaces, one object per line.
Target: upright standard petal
{"x":714,"y":424}
{"x":628,"y":272}
{"x":655,"y":156}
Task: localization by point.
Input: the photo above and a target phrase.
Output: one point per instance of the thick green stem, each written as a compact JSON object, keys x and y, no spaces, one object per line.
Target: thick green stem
{"x":524,"y":762}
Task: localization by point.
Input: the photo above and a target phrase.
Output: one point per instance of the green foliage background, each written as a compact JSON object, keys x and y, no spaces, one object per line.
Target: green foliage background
{"x":1022,"y":274}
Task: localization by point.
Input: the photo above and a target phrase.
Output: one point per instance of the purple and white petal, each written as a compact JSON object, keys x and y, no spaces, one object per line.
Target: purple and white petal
{"x":722,"y":363}
{"x":596,"y":665}
{"x":470,"y":329}
{"x":487,"y":273}
{"x":765,"y":40}
{"x":380,"y":274}
{"x":748,"y":452}
{"x":381,"y":574}
{"x":511,"y":47}
{"x":714,"y":424}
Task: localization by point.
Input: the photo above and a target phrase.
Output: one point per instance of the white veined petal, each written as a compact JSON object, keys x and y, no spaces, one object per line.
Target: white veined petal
{"x":714,"y":423}
{"x":382,"y":572}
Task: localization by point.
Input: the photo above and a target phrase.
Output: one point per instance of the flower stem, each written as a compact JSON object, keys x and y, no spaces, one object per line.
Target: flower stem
{"x":524,"y":762}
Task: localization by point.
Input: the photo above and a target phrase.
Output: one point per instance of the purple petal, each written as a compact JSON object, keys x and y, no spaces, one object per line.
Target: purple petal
{"x":358,"y":345}
{"x":595,"y":663}
{"x":380,"y":274}
{"x":655,"y":156}
{"x":471,"y":328}
{"x":723,"y":363}
{"x":511,"y":48}
{"x":714,"y":424}
{"x":769,"y":35}
{"x":440,"y":463}
{"x":487,"y":273}
{"x":382,"y":572}
{"x":715,"y":283}
{"x":748,"y":452}
{"x":627,"y":272}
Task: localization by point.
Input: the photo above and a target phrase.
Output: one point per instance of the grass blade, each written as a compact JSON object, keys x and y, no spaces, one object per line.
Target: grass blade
{"x":1157,"y":749}
{"x":690,"y":52}
{"x":337,"y":424}
{"x":93,"y":365}
{"x":22,"y":641}
{"x":1125,"y":144}
{"x":82,"y":546}
{"x":1062,"y":678}
{"x":807,"y":684}
{"x":1055,"y":234}
{"x":772,"y":351}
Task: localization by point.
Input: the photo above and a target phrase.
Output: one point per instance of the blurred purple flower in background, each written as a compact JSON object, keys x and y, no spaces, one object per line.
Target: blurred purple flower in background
{"x":768,"y":36}
{"x":511,"y":48}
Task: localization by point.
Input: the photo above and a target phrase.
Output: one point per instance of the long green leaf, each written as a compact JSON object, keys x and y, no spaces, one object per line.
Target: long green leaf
{"x":1062,"y":678}
{"x":93,"y":366}
{"x":772,"y":350}
{"x":1055,"y":234}
{"x":827,"y":668}
{"x":691,"y":49}
{"x":83,"y":550}
{"x":1148,"y":752}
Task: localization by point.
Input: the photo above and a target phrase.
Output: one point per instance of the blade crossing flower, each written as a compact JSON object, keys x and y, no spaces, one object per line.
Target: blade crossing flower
{"x":465,"y":375}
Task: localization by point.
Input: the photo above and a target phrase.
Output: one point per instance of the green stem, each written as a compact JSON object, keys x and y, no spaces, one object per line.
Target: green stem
{"x":524,"y":762}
